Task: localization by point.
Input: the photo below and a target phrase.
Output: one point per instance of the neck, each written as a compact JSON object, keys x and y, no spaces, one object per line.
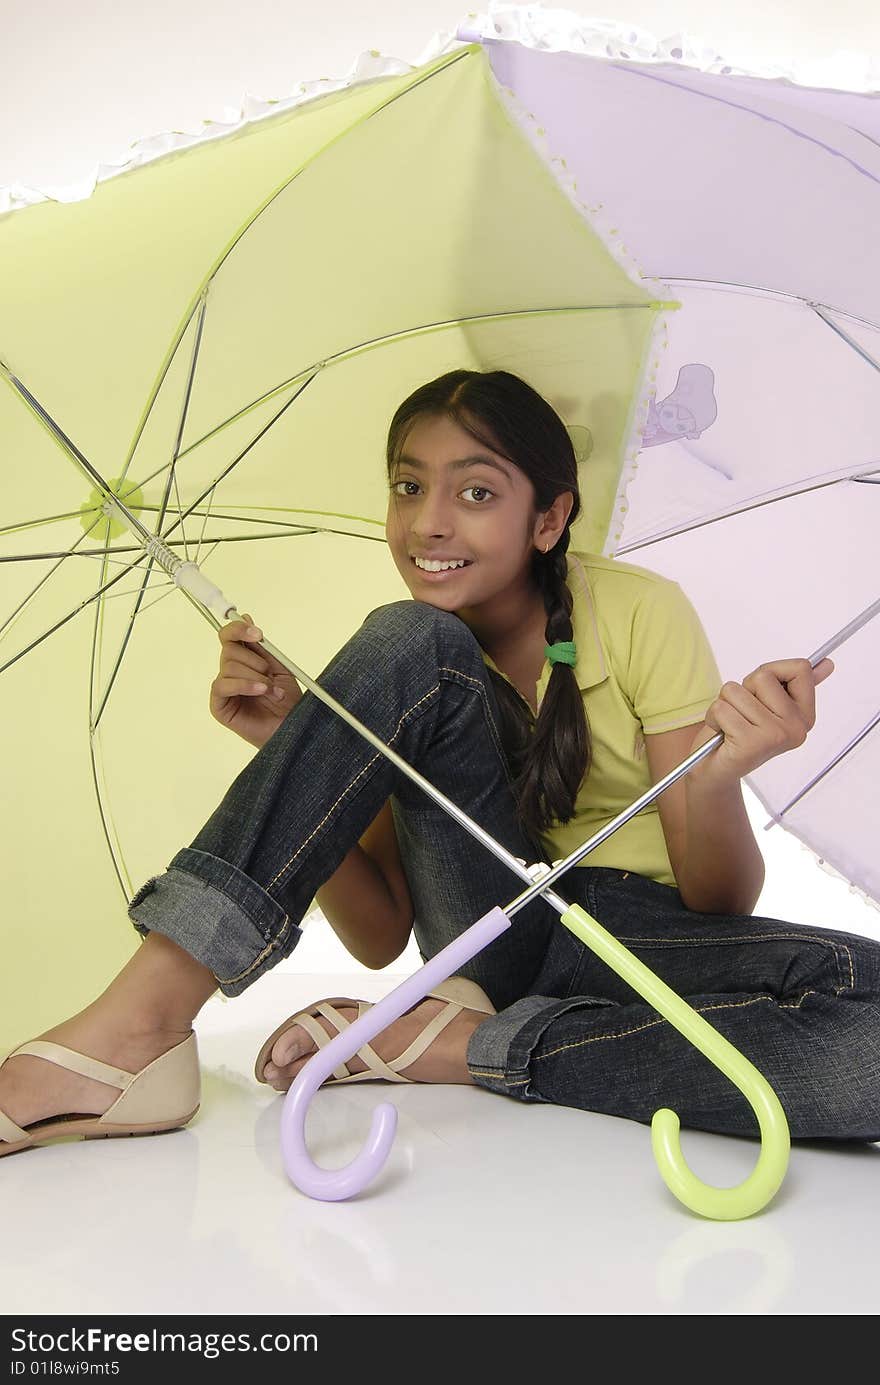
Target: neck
{"x":506,"y":622}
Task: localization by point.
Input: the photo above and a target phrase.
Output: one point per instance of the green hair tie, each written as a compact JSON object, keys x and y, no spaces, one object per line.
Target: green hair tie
{"x":563,"y":652}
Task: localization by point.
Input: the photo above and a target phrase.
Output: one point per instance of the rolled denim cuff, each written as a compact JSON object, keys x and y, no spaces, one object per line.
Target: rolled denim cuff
{"x":218,"y":915}
{"x":500,"y":1049}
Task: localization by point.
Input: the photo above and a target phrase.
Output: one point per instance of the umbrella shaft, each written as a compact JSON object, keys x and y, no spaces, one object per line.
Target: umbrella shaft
{"x":540,"y":876}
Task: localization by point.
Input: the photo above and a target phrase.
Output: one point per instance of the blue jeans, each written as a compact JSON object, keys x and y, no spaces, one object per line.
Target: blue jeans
{"x":803,"y":1004}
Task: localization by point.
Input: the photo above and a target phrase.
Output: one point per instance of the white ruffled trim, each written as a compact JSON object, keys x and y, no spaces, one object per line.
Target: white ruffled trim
{"x":556,"y":30}
{"x":836,"y":875}
{"x":367,"y":68}
{"x":552,"y":30}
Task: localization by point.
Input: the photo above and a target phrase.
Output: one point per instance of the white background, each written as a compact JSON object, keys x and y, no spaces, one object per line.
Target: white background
{"x":83,"y":81}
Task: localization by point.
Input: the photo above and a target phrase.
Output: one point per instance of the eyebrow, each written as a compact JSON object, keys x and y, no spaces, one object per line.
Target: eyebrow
{"x":458,"y":465}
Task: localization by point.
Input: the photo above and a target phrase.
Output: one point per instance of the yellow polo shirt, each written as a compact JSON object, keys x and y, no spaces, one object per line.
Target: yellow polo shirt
{"x":644,"y":664}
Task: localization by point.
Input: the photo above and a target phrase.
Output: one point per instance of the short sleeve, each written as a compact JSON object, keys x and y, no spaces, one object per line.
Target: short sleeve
{"x":673,"y":675}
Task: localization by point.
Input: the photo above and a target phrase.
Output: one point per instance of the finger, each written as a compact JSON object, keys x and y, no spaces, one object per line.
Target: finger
{"x":239,"y":662}
{"x":766,"y":687}
{"x":745,"y":703}
{"x":238,"y":630}
{"x":800,"y":684}
{"x":239,"y":687}
{"x":772,"y":713}
{"x":823,"y":670}
{"x":723,"y":716}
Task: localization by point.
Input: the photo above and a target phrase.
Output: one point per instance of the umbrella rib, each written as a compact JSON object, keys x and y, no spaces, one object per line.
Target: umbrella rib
{"x":139,"y":596}
{"x":856,"y":346}
{"x":818,"y":777}
{"x":47,"y":519}
{"x":215,"y":539}
{"x":786,"y":494}
{"x":239,"y":518}
{"x":123,"y":645}
{"x":372,"y":343}
{"x":234,"y":463}
{"x":171,"y":480}
{"x":750,"y":110}
{"x":145,"y":480}
{"x":173,"y":476}
{"x":70,"y":615}
{"x":118,"y":865}
{"x":288,"y":510}
{"x":45,"y":578}
{"x":446,"y":64}
{"x":237,"y":460}
{"x":185,"y":408}
{"x":771,"y":293}
{"x":74,"y":452}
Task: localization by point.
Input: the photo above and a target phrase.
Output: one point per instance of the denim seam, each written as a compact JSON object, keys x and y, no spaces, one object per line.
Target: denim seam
{"x":274,"y":943}
{"x":651,"y":1024}
{"x":349,"y":788}
{"x":499,"y":1075}
{"x":481,"y":689}
{"x":267,"y":952}
{"x":796,"y":1004}
{"x":758,"y":938}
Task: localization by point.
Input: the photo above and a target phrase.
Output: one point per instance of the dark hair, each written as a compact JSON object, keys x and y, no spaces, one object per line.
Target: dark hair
{"x":505,"y":414}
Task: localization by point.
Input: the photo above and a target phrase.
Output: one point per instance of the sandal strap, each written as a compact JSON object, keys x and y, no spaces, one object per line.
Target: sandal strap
{"x":366,"y":1053}
{"x":320,"y":1036}
{"x":10,"y":1133}
{"x":76,"y":1062}
{"x":427,"y":1036}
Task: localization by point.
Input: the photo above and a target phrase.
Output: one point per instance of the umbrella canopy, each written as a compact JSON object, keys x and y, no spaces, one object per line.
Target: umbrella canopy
{"x":225,"y":333}
{"x":757,"y":202}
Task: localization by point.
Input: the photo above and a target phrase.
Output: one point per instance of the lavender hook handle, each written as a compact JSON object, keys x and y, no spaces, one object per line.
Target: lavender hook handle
{"x":334,"y":1185}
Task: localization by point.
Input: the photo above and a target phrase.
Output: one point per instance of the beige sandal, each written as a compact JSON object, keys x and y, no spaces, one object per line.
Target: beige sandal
{"x":460,"y":994}
{"x":162,"y":1096}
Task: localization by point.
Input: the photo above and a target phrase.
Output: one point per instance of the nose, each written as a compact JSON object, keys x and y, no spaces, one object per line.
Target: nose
{"x":432,"y":517}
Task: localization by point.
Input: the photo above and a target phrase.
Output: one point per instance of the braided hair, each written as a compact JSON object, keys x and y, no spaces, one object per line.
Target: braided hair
{"x":550,"y":755}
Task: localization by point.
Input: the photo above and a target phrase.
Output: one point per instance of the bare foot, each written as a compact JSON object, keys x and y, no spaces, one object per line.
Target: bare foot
{"x":443,"y":1061}
{"x":33,"y":1089}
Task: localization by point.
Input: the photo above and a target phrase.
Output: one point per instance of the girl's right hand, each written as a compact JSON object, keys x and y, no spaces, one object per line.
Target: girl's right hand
{"x":235,"y":700}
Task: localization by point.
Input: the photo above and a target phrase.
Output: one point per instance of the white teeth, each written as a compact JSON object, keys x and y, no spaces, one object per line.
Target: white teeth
{"x":437,"y":567}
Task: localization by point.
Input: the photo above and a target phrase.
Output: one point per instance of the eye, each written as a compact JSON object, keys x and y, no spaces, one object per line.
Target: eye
{"x":396,"y":484}
{"x":484,"y":490}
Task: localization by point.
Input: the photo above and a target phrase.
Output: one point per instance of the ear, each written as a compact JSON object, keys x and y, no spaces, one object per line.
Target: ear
{"x":551,"y":523}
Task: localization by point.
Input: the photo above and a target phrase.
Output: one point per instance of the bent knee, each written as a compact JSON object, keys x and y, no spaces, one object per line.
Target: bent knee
{"x":409,"y":619}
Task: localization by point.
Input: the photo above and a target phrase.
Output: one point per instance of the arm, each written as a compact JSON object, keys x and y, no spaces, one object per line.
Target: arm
{"x":367,"y":899}
{"x":712,"y":850}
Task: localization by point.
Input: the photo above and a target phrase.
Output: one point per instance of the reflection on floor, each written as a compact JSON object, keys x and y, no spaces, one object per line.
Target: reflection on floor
{"x":485,"y":1206}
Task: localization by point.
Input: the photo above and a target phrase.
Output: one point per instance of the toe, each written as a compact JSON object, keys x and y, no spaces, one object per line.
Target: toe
{"x":281,"y":1078}
{"x":293,"y":1044}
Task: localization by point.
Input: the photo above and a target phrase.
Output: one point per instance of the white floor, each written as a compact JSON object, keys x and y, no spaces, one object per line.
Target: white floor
{"x":485,"y":1206}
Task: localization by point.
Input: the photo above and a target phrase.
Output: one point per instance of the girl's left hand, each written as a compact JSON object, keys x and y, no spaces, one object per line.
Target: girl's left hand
{"x":770,"y":712}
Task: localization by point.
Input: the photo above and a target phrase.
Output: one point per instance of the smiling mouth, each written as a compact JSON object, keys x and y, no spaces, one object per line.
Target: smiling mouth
{"x":435,"y":567}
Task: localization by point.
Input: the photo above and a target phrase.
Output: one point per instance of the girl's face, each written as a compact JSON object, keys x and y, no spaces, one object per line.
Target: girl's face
{"x":451,"y":500}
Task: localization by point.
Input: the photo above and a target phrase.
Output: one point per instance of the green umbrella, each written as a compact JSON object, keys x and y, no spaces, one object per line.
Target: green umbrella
{"x":225,"y":333}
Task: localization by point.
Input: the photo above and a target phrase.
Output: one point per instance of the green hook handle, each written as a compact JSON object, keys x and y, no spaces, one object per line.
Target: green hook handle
{"x":721,"y":1204}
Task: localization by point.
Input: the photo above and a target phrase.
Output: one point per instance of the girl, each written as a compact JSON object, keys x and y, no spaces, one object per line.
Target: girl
{"x":542,"y":691}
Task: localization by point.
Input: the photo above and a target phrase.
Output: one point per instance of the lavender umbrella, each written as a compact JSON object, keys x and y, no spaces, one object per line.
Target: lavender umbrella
{"x":757,"y":202}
